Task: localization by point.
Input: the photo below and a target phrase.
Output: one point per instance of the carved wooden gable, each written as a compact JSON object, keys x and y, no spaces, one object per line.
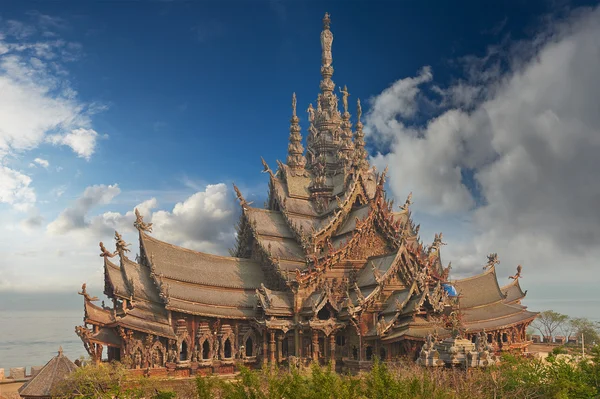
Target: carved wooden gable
{"x":371,"y":244}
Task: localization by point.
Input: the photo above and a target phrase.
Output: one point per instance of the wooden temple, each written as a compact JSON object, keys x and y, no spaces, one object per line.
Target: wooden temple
{"x":328,"y":271}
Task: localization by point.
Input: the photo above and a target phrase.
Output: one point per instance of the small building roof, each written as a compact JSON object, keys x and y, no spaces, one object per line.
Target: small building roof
{"x":55,"y":371}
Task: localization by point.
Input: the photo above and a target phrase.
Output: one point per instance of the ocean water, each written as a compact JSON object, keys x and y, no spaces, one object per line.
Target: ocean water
{"x":32,"y":337}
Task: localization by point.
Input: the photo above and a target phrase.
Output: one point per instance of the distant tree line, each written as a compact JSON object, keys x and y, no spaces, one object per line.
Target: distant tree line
{"x":550,"y":324}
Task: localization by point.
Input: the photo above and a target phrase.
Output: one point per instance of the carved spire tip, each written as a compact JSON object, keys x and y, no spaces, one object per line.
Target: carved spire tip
{"x":326,"y":21}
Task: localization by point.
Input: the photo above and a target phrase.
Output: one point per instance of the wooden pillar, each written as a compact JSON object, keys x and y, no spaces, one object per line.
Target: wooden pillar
{"x":315,"y":346}
{"x":297,"y":345}
{"x":332,"y":350}
{"x":265,"y":346}
{"x":280,"y":348}
{"x":272,"y":347}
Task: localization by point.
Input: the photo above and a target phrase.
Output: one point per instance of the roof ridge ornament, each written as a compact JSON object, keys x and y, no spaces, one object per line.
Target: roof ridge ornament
{"x":140,"y":224}
{"x":492,"y":261}
{"x":105,"y":253}
{"x":518,"y":275}
{"x":240,"y":197}
{"x":121,"y":244}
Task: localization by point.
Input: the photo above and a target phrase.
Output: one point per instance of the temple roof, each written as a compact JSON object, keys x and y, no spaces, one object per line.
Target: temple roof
{"x":49,"y":377}
{"x":187,"y":266}
{"x":513,"y":291}
{"x":114,"y":276}
{"x":94,"y":314}
{"x":479,"y":290}
{"x":202,"y":284}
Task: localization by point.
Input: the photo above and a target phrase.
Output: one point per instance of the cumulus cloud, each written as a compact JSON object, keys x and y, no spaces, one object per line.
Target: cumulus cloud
{"x":75,"y":216}
{"x":15,"y":189}
{"x":513,"y":150}
{"x":82,"y":141}
{"x":203,"y":221}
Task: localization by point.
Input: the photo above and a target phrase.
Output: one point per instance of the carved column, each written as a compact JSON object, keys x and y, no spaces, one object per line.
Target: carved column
{"x":272,"y":347}
{"x":332,"y":350}
{"x":265,"y":346}
{"x":315,"y":345}
{"x":280,"y":348}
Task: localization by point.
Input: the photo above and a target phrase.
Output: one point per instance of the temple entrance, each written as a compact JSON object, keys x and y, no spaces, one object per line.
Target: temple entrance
{"x":227,"y":349}
{"x":249,"y":347}
{"x":382,"y":353}
{"x":183,"y":355}
{"x":355,"y":352}
{"x":205,"y":350}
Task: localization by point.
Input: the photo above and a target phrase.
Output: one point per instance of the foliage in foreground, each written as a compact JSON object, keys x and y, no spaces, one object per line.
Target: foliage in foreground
{"x":515,"y":377}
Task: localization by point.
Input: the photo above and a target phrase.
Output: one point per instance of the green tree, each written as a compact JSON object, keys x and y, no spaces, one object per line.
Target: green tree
{"x":549,"y":321}
{"x":94,"y":381}
{"x":587,"y":328}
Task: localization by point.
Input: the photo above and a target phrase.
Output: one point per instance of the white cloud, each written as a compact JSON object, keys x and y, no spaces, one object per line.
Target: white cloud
{"x":37,"y":101}
{"x":515,"y":155}
{"x":42,"y":162}
{"x":82,"y":141}
{"x":205,"y":221}
{"x":66,"y":255}
{"x":15,"y":189}
{"x":75,"y":217}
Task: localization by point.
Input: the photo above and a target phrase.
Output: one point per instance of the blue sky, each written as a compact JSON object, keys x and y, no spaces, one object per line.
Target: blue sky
{"x":487,"y":111}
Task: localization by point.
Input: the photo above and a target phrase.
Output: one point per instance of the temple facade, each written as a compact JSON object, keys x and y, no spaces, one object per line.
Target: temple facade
{"x":328,"y":271}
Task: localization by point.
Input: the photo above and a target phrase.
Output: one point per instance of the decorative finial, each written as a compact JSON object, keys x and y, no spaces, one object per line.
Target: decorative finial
{"x":492,"y":260}
{"x":516,"y":276}
{"x":345,"y":95}
{"x":240,"y":197}
{"x":326,"y":41}
{"x":121,"y":244}
{"x":358,"y":110}
{"x":294,"y":104}
{"x":60,"y":351}
{"x":326,"y":21}
{"x":104,"y":252}
{"x":140,"y":224}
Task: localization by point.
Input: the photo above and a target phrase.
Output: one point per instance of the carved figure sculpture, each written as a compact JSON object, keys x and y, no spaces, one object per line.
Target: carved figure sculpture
{"x":516,"y":276}
{"x":105,"y":252}
{"x":120,"y":243}
{"x":345,"y":95}
{"x":326,"y":42}
{"x":311,"y":113}
{"x":492,"y":260}
{"x":140,"y":224}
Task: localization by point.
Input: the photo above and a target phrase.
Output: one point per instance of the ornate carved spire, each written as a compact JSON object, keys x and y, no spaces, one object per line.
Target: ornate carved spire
{"x":345,"y":155}
{"x":295,"y":158}
{"x":360,"y":154}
